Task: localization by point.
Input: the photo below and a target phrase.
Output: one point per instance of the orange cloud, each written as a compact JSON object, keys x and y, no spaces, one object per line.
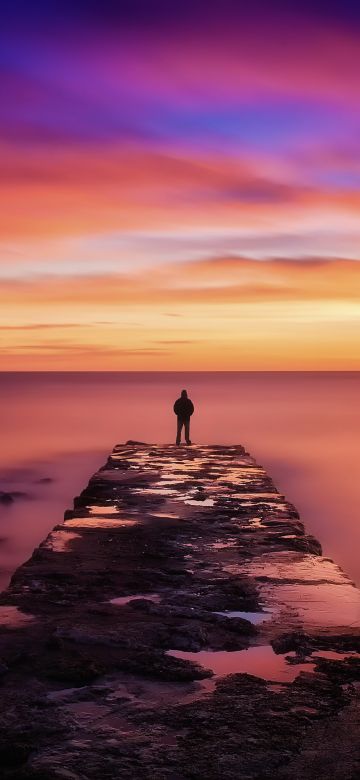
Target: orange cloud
{"x":59,"y":192}
{"x":221,"y":313}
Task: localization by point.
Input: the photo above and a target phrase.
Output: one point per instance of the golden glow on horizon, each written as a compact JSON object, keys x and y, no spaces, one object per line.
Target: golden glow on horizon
{"x":223,"y":314}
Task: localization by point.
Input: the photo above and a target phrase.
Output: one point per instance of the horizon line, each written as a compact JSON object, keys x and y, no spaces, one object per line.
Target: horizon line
{"x":188,"y":371}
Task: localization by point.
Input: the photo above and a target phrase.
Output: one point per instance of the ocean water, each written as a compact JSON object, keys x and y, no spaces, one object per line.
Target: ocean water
{"x":57,"y":428}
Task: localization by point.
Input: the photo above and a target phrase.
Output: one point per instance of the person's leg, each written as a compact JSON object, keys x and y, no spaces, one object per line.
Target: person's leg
{"x":179,"y":429}
{"x":187,"y":431}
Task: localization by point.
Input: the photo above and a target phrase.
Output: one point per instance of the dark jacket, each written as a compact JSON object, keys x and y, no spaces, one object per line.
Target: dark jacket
{"x":183,"y":408}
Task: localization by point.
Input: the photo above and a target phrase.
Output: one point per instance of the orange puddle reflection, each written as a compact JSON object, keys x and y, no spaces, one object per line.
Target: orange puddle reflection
{"x":104,"y":510}
{"x":259,"y":661}
{"x":99,"y":522}
{"x":59,"y":541}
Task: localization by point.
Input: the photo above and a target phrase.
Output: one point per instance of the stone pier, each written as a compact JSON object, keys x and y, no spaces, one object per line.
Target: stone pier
{"x":180,"y":624}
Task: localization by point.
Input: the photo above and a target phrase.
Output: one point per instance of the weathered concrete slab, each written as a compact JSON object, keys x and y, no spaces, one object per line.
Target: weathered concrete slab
{"x":179,"y":623}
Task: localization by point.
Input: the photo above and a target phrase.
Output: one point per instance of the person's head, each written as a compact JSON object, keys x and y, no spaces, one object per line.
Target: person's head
{"x":183,"y":394}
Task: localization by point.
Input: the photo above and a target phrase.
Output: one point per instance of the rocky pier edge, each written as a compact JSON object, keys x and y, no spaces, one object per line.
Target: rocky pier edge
{"x":180,"y":624}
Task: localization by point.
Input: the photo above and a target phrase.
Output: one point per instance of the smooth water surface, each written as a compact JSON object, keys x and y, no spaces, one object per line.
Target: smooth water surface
{"x":303,"y":427}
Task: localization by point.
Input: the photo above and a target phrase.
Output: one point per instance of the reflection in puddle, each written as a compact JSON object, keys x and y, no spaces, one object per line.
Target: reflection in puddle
{"x":121,"y":600}
{"x":323,"y":604}
{"x":262,"y":496}
{"x":200,"y":502}
{"x":99,"y":522}
{"x":256,"y":522}
{"x":155,"y":491}
{"x":59,"y":541}
{"x":296,"y":566}
{"x":259,"y":661}
{"x":313,"y":586}
{"x":195,"y":465}
{"x":104,"y":511}
{"x":333,"y":655}
{"x":12,"y":617}
{"x":121,"y":477}
{"x":167,"y":479}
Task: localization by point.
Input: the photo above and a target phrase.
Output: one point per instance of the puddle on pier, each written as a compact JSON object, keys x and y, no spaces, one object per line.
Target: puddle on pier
{"x":59,"y":541}
{"x":323,"y":605}
{"x":176,"y":481}
{"x":318,"y":591}
{"x":187,"y":466}
{"x":184,"y":494}
{"x":256,"y":522}
{"x":264,"y":498}
{"x":122,"y":600}
{"x":241,"y":474}
{"x":156,"y":491}
{"x":333,"y":655}
{"x":259,"y":661}
{"x":100,"y":522}
{"x":128,"y":475}
{"x":200,"y":502}
{"x":294,"y":566}
{"x":103,"y":510}
{"x":12,"y":617}
{"x":114,"y":467}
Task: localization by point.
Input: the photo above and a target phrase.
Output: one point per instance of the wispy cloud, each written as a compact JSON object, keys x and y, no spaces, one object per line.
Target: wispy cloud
{"x":214,"y":280}
{"x":162,"y":207}
{"x":40,"y":326}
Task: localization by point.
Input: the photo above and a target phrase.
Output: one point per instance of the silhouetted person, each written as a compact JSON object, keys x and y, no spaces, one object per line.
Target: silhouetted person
{"x":183,"y":409}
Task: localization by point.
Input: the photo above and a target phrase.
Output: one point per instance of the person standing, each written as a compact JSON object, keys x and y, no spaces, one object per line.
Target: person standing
{"x":183,"y":409}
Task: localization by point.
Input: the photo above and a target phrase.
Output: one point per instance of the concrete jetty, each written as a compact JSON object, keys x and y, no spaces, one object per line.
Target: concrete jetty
{"x":180,"y":624}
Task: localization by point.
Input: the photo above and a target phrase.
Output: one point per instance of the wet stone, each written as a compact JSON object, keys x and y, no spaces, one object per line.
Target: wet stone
{"x":180,"y":623}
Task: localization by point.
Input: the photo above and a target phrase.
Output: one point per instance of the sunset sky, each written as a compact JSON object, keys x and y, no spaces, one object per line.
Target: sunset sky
{"x":180,"y":185}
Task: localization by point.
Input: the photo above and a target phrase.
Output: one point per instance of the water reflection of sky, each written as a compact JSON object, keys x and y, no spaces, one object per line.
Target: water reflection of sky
{"x":259,"y":661}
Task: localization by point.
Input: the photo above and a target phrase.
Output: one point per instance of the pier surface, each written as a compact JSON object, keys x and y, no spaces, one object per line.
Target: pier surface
{"x":180,"y":624}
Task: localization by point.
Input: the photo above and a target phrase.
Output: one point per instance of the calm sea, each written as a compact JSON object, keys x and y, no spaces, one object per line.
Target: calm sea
{"x":304,"y":427}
